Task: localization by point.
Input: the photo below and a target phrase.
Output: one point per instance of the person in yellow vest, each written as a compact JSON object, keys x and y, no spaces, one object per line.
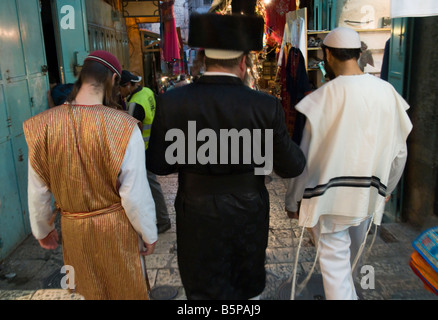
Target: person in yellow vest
{"x":94,"y":170}
{"x":140,"y":103}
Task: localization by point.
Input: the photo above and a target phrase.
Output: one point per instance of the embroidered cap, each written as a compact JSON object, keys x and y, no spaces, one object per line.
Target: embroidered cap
{"x":343,"y":38}
{"x":107,"y":59}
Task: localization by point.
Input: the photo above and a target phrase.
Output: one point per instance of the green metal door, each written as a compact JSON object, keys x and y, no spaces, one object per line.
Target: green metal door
{"x":399,"y":53}
{"x":71,"y":33}
{"x":23,"y":86}
{"x":324,"y":14}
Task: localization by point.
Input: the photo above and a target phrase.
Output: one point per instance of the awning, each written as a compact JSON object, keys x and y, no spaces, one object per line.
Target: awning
{"x":149,"y":10}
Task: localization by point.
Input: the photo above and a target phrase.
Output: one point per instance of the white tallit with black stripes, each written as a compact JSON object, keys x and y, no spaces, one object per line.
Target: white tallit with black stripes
{"x":355,"y":145}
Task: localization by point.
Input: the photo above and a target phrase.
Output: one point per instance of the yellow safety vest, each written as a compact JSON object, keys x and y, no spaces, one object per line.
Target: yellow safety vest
{"x":145,"y":97}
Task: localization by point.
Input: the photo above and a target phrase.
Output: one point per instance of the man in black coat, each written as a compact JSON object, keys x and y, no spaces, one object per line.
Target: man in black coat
{"x":222,"y":137}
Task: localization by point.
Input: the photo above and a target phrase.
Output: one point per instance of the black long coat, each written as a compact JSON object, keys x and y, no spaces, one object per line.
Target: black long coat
{"x":222,"y":221}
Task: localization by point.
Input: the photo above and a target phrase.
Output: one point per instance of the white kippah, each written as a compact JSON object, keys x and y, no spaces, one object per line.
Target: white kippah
{"x":343,"y":38}
{"x":222,"y":54}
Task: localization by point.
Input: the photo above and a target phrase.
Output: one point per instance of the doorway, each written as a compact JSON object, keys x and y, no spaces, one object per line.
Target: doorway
{"x":50,"y":43}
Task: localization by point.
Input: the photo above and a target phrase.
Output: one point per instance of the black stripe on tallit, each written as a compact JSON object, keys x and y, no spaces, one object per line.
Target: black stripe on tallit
{"x":354,"y":182}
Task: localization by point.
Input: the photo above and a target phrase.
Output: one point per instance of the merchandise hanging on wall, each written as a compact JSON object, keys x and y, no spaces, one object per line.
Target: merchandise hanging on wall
{"x":276,"y":12}
{"x":294,"y":32}
{"x":170,"y":43}
{"x":292,"y":66}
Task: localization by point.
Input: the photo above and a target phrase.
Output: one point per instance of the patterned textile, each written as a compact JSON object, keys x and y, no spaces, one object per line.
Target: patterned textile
{"x":289,"y":113}
{"x":295,"y":86}
{"x":276,"y":17}
{"x":425,"y":272}
{"x":424,"y":260}
{"x":298,"y":86}
{"x":170,"y":48}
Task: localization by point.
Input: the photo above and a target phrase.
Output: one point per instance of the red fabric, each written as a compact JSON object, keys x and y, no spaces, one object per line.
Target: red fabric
{"x":171,"y":44}
{"x":276,"y":17}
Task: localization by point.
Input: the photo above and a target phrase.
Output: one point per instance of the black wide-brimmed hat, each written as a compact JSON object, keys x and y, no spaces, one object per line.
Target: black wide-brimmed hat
{"x":234,"y":32}
{"x":243,"y":6}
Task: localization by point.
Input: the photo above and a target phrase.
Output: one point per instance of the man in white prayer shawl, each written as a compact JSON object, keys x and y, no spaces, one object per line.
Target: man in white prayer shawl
{"x":355,"y":145}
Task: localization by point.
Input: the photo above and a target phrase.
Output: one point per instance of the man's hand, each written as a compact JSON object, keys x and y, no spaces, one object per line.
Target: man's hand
{"x":149,"y":249}
{"x":292,"y":215}
{"x":51,"y":241}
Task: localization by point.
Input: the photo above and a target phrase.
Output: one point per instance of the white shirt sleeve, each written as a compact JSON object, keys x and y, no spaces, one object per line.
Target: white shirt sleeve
{"x":135,"y":191}
{"x":397,"y":167}
{"x":39,"y":204}
{"x":296,"y":186}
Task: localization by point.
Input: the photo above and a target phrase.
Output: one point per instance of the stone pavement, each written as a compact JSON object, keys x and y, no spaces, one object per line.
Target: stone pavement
{"x":32,"y":273}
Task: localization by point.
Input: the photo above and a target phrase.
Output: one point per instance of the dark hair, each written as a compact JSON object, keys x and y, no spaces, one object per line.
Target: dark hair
{"x":225,"y":63}
{"x":99,"y":76}
{"x":198,"y":63}
{"x":343,"y":54}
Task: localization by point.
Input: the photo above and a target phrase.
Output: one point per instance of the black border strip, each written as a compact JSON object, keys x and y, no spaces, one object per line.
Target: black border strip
{"x":347,"y":181}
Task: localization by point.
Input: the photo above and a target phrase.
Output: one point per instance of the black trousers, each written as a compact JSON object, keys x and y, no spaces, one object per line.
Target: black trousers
{"x":222,"y":237}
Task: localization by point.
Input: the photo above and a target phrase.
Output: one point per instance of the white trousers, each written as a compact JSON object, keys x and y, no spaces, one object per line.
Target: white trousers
{"x":337,"y":252}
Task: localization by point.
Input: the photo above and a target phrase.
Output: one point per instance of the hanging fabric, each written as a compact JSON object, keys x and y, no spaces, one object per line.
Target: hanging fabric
{"x":170,"y":48}
{"x":294,"y":34}
{"x":276,"y":17}
{"x":298,"y":86}
{"x":295,"y":87}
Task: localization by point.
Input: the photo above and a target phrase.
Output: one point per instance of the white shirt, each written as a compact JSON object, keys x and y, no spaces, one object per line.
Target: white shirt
{"x":135,"y":193}
{"x":355,"y":135}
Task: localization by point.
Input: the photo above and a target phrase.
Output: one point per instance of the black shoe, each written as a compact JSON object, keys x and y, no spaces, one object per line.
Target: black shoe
{"x":163,"y":227}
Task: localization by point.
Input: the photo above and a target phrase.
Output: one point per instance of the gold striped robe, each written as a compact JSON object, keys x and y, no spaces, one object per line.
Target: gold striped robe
{"x":78,"y":151}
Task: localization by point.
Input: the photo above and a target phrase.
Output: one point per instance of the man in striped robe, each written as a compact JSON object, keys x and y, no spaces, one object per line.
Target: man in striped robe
{"x":91,"y":158}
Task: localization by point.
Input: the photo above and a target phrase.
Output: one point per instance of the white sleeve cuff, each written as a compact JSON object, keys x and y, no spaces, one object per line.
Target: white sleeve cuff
{"x":135,"y":192}
{"x":39,"y":203}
